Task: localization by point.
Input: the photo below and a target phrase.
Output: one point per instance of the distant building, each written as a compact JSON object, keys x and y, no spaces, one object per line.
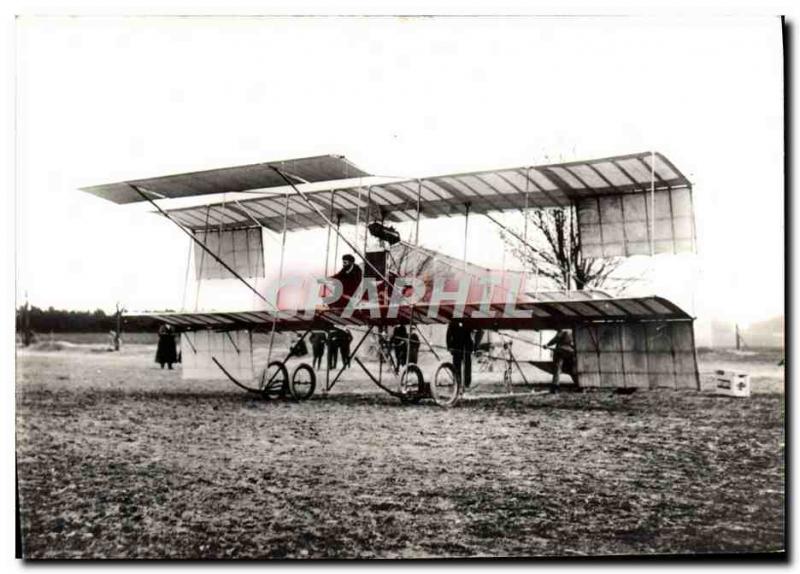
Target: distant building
{"x":718,"y":334}
{"x":769,"y":333}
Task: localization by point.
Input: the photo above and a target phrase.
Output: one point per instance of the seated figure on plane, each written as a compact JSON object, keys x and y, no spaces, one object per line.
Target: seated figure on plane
{"x":350,"y":277}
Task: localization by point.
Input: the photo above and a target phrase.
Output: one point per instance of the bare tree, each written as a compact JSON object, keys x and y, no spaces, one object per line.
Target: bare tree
{"x":116,"y":334}
{"x":554,"y":252}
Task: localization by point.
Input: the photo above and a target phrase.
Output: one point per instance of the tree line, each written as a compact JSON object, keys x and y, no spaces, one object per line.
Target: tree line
{"x":63,"y":321}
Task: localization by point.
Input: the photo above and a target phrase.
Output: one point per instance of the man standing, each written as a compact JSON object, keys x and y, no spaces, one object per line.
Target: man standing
{"x":339,"y":342}
{"x":333,"y":348}
{"x":413,"y":348}
{"x":350,"y":278}
{"x":399,"y":343}
{"x":345,"y":338}
{"x":459,"y":343}
{"x":318,"y":340}
{"x":166,"y":352}
{"x":563,"y":356}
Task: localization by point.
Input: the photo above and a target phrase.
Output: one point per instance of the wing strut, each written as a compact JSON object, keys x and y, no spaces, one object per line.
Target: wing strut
{"x":328,"y":223}
{"x":339,"y":234}
{"x":280,"y":276}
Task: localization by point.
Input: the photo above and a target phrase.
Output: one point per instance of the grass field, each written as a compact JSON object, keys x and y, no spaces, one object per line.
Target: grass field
{"x":119,"y":459}
{"x":97,"y":338}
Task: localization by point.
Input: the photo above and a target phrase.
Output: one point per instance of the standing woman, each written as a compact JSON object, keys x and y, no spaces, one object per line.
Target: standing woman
{"x":166,"y":352}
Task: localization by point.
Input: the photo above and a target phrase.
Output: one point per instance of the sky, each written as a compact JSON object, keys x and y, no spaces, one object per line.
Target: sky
{"x":109,"y":99}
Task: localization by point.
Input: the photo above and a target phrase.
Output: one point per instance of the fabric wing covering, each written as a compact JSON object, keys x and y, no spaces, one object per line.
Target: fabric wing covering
{"x":555,"y":185}
{"x":233,"y":349}
{"x":634,"y":224}
{"x":644,"y":355}
{"x":240,"y":249}
{"x":408,"y":260}
{"x":230,"y":179}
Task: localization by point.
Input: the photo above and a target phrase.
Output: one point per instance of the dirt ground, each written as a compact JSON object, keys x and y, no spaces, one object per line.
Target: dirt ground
{"x":119,"y":459}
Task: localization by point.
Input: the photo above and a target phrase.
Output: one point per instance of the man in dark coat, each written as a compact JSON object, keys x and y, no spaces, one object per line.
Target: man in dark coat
{"x":339,"y":342}
{"x":345,"y":338}
{"x":563,"y":356}
{"x":318,"y":341}
{"x":459,"y":343}
{"x":413,"y":348}
{"x":333,"y":348}
{"x":350,"y":277}
{"x":166,"y":353}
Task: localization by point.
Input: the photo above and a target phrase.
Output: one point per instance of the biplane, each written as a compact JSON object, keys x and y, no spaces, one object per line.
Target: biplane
{"x":636,"y":204}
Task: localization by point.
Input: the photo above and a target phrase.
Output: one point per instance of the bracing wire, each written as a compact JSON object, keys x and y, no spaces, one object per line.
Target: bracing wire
{"x":186,"y":277}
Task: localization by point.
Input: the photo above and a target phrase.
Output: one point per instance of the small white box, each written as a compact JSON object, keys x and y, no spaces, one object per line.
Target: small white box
{"x":732,"y":383}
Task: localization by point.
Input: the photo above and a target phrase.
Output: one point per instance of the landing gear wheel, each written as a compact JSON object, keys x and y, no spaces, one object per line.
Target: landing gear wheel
{"x":274,"y":381}
{"x":411,"y":384}
{"x":303,"y":382}
{"x":446,"y":386}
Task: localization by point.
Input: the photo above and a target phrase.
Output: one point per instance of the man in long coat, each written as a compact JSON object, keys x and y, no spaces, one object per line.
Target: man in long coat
{"x":459,"y":343}
{"x":166,"y":352}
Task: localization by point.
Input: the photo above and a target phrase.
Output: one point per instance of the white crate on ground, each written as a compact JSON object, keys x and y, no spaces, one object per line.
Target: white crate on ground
{"x":732,"y":383}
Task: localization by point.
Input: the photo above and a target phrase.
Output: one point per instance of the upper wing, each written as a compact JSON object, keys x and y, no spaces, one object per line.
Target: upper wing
{"x":485,"y":191}
{"x":229,"y":179}
{"x":627,"y":205}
